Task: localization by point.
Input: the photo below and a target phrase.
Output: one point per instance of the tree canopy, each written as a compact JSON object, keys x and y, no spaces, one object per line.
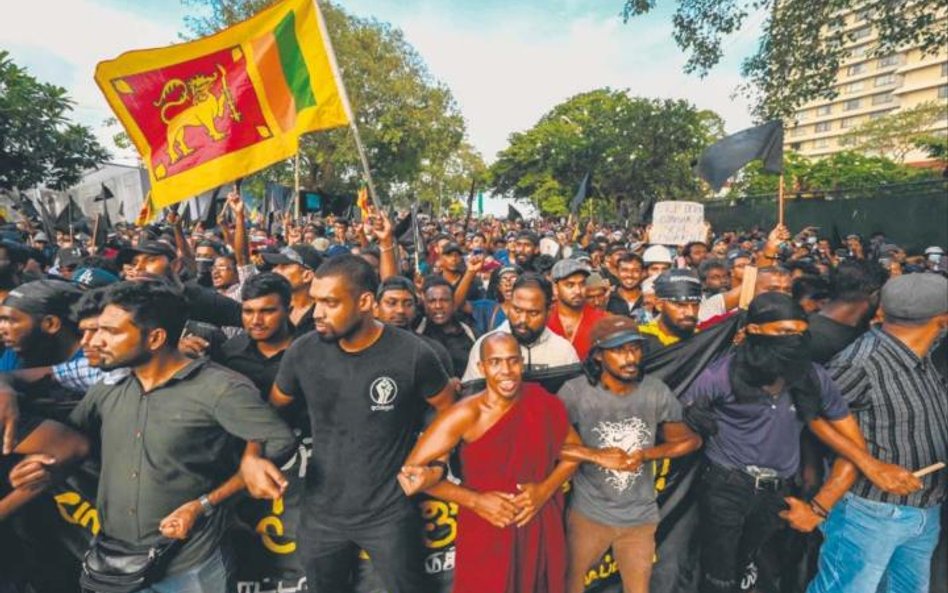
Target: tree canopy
{"x":843,"y":170}
{"x":794,"y":62}
{"x":636,"y":151}
{"x":411,"y":126}
{"x":38,"y":143}
{"x":897,"y":134}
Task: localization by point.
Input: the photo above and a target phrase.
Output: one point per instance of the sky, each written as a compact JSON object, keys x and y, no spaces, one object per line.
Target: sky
{"x":507,"y":62}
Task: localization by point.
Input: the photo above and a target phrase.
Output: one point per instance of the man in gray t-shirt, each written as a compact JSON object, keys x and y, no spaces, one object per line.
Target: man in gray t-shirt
{"x":619,"y":415}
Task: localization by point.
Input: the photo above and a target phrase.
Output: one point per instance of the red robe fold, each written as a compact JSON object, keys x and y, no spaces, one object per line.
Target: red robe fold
{"x":522,"y":447}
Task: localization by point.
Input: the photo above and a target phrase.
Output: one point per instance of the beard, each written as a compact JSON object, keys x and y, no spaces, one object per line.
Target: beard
{"x":132,"y":360}
{"x":332,"y":336}
{"x":524,"y":335}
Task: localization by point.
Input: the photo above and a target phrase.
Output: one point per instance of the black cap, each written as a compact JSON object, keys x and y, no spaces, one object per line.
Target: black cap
{"x":774,"y":306}
{"x":451,"y":248}
{"x":678,"y":285}
{"x":44,"y":297}
{"x":304,"y":255}
{"x":149,"y":246}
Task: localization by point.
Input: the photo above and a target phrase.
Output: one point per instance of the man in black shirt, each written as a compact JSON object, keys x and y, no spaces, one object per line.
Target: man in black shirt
{"x":297,"y":264}
{"x":627,"y":298}
{"x":396,"y":304}
{"x":366,"y":399}
{"x":442,"y":325}
{"x":855,"y":288}
{"x":256,"y":352}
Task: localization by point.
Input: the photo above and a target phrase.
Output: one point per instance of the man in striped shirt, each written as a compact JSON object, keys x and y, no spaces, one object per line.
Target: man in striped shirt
{"x":898,"y":398}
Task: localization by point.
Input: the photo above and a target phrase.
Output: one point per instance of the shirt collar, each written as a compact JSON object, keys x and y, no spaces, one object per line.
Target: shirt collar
{"x":900,"y":350}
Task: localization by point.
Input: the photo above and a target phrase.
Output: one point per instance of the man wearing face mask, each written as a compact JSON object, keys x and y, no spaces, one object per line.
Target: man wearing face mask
{"x":758,"y":400}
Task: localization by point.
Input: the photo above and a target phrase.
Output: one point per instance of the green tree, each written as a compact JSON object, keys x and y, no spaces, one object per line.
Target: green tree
{"x":410,"y":123}
{"x":794,"y":62}
{"x":38,"y":143}
{"x":896,"y":134}
{"x":636,"y":150}
{"x":843,"y":170}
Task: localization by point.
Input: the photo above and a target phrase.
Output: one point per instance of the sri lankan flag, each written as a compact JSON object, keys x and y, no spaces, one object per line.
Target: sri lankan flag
{"x":207,"y":112}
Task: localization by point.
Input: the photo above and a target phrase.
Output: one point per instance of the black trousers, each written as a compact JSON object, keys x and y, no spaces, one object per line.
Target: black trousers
{"x":329,"y":555}
{"x":736,"y":518}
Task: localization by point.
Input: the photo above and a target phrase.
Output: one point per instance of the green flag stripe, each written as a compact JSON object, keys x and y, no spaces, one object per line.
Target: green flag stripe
{"x":294,"y":67}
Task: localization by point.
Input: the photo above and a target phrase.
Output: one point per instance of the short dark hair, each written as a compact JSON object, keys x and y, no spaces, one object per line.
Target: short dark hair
{"x":813,"y":287}
{"x":396,"y":283}
{"x":90,"y":304}
{"x":856,"y":280}
{"x":686,"y":251}
{"x":230,"y":257}
{"x":533,"y":280}
{"x":434,"y":280}
{"x":153,"y":304}
{"x":267,"y":283}
{"x":631,"y":257}
{"x":358,"y":273}
{"x":708,"y":265}
{"x":212,"y":244}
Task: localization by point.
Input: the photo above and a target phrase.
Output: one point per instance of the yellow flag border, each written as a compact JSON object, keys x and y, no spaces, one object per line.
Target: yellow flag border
{"x":331,"y":108}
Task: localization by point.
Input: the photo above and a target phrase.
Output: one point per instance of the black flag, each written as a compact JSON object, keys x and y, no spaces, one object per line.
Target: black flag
{"x":725,"y":157}
{"x":210,"y":217}
{"x":580,"y":196}
{"x":103,"y":226}
{"x":513,"y":213}
{"x":71,"y":218}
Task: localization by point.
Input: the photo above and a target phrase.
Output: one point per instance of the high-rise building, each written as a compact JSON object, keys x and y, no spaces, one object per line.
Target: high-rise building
{"x":869,"y":87}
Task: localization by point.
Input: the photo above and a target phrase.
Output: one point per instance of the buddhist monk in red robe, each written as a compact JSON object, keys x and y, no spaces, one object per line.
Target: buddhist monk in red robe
{"x":510,"y":526}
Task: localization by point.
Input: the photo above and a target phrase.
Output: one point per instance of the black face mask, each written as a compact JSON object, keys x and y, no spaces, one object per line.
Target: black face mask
{"x":773,"y":357}
{"x":762,"y":360}
{"x":204,"y":271}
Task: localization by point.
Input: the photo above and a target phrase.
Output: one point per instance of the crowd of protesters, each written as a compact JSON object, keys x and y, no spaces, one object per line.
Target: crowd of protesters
{"x":189,"y":361}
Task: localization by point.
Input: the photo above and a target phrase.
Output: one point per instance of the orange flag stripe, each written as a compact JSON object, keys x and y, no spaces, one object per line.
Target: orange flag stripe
{"x":267,"y":56}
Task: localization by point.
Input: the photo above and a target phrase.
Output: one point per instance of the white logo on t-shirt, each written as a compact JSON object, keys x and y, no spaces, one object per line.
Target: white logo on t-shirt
{"x":629,"y":435}
{"x":383,"y":392}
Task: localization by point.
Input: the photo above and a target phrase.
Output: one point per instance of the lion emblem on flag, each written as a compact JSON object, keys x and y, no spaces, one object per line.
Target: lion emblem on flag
{"x":202,"y":111}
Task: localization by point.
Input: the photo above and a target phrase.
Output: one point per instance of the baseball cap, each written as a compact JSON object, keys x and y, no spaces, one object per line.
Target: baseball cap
{"x":681,"y":286}
{"x":915,"y":296}
{"x":567,"y":267}
{"x":89,"y":278}
{"x":44,"y":297}
{"x":614,"y":331}
{"x":451,"y":247}
{"x":149,"y":246}
{"x":304,"y":255}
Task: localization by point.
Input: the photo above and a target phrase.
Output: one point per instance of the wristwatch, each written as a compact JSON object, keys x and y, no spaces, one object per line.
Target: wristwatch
{"x":206,"y":505}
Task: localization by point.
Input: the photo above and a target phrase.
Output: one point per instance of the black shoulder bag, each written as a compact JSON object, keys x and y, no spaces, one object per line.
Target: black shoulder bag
{"x":114,"y":566}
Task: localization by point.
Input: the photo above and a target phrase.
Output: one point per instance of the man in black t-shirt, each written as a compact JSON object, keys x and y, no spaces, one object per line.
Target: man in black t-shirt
{"x":365,"y":385}
{"x":855,"y":288}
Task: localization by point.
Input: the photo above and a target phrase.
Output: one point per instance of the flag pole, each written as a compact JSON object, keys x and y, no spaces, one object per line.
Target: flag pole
{"x":95,"y":231}
{"x":296,"y":185}
{"x":344,"y":96}
{"x":780,"y":201}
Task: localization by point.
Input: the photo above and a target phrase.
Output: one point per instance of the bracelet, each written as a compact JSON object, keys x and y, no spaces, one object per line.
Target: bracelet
{"x":441,"y":464}
{"x":206,"y":505}
{"x":384,"y":249}
{"x":818,"y":508}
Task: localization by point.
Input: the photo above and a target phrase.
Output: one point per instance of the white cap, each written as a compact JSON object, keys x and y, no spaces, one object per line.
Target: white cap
{"x":934,"y":250}
{"x":657,"y":254}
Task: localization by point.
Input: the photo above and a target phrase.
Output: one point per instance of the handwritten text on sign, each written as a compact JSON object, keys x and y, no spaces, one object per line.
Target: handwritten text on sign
{"x":677,"y":223}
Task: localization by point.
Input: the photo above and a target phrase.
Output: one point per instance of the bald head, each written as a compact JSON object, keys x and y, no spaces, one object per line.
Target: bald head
{"x":497,"y":341}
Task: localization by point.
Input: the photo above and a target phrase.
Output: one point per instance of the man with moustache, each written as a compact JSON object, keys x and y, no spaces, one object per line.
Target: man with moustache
{"x":441,"y":322}
{"x":366,"y":398}
{"x":620,"y":415}
{"x":678,"y":294}
{"x":527,"y":321}
{"x":571,"y":317}
{"x":627,"y":298}
{"x":396,"y":304}
{"x":510,"y":536}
